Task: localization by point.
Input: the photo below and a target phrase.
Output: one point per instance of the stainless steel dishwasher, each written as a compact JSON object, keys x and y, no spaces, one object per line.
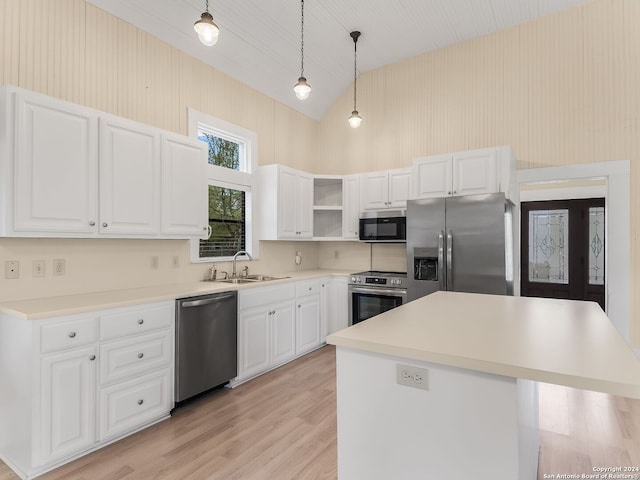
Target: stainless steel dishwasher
{"x":206,"y":342}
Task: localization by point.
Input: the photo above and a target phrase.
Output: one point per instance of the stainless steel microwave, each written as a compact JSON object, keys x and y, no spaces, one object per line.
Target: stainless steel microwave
{"x":383,"y":226}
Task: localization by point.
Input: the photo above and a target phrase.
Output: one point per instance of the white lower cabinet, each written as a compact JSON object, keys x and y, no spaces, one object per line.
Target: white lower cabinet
{"x":279,"y":323}
{"x":79,"y":382}
{"x":68,"y":393}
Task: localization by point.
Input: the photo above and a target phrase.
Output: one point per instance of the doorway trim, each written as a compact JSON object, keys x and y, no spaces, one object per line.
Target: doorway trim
{"x":618,"y":215}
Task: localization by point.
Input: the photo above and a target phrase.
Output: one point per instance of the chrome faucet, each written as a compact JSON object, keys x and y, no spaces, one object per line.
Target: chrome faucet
{"x":235,"y":257}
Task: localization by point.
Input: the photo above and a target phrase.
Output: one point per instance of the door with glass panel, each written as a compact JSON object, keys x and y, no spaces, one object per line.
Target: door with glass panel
{"x":563,"y":249}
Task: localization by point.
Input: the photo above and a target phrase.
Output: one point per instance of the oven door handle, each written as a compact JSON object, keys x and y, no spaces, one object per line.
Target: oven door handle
{"x":394,"y":292}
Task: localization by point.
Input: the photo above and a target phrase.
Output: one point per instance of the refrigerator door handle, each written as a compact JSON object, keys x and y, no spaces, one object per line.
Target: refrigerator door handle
{"x":441,"y":271}
{"x":449,"y":260}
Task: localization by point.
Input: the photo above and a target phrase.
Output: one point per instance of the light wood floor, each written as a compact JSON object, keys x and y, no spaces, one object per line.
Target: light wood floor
{"x":283,"y":426}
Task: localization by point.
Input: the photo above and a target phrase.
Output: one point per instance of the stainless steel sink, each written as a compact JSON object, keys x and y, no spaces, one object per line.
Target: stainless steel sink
{"x":264,"y":278}
{"x":249,"y":279}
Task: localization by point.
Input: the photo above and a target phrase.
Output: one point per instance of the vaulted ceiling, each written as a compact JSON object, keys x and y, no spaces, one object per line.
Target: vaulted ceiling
{"x":259,"y":42}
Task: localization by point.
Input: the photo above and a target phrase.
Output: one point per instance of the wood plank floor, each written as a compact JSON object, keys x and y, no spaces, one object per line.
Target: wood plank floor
{"x":282,"y":425}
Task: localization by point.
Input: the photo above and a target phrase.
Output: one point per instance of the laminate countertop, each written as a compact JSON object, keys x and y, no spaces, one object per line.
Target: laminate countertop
{"x":39,"y":308}
{"x":564,"y":342}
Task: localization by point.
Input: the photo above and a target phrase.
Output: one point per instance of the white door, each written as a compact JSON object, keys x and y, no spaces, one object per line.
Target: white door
{"x":185,"y":205}
{"x":305,"y":206}
{"x":307,"y":323}
{"x":432,"y":177}
{"x":254,"y":341}
{"x":374,"y":190}
{"x":68,"y":399}
{"x":129,"y":178}
{"x":475,"y":172}
{"x":399,"y":188}
{"x":55,"y":163}
{"x":287,"y":204}
{"x":283,"y":338}
{"x":351,"y":207}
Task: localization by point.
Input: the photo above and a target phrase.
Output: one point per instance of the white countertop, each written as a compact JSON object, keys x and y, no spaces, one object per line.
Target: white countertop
{"x":38,"y":308}
{"x":563,"y":342}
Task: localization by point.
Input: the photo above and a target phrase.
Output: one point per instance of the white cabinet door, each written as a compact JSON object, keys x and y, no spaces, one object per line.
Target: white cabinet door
{"x":399,"y":188}
{"x":304,"y":206}
{"x":55,"y":166}
{"x":283,"y":332}
{"x":351,"y":207}
{"x":475,"y":172}
{"x":68,"y":398}
{"x":255,"y":339}
{"x":287,"y":201}
{"x":129,"y":178}
{"x":185,"y":203}
{"x":326,"y":297}
{"x":339,"y":305}
{"x":433,"y":177}
{"x":307,"y":323}
{"x":374,"y":188}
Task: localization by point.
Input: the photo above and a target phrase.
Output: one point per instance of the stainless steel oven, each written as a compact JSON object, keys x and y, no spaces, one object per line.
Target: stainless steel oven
{"x":372,"y":293}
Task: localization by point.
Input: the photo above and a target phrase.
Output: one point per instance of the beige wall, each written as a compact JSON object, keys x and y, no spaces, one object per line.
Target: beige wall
{"x":74,"y":51}
{"x":561,"y":90}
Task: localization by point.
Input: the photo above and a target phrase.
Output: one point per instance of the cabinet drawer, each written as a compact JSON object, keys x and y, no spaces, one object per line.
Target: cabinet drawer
{"x":69,"y":334}
{"x":308,"y":287}
{"x":128,"y":405}
{"x":133,"y":321}
{"x":124,"y":358}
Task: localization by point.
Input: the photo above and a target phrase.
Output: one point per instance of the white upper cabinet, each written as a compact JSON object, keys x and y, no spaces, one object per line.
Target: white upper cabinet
{"x":70,"y":171}
{"x":388,"y":189}
{"x":184,"y":202}
{"x":56,"y":178}
{"x":129,"y":177}
{"x":488,"y":170}
{"x":351,"y":208}
{"x":286,"y":205}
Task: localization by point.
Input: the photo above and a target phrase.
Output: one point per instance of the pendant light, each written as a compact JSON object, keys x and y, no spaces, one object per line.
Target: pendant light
{"x":355,"y":119}
{"x":302,"y":88}
{"x":207,"y":30}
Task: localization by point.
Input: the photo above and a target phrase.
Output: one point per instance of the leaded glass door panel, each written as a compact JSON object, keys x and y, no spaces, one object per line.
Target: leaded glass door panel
{"x":562,"y":249}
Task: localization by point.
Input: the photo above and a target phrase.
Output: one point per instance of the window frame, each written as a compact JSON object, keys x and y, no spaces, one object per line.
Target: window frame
{"x":246,"y":181}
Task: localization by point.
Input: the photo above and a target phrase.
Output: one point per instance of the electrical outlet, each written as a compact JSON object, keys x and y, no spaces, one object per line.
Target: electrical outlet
{"x":12,"y":269}
{"x":39,"y":268}
{"x":176,"y":261}
{"x":155,"y":262}
{"x":59,"y":267}
{"x":412,"y":376}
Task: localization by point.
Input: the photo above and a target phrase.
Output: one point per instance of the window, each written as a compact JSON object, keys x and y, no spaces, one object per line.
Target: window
{"x":232,"y":188}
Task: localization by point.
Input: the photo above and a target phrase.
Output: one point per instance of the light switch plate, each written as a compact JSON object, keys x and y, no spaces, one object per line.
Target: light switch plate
{"x":39,"y":268}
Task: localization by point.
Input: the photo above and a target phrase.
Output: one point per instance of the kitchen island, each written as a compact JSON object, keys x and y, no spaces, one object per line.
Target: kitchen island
{"x":483,"y":355}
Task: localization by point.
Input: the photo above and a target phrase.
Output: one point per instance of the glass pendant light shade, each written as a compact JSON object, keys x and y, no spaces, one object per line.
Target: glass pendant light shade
{"x":302,"y":88}
{"x":355,"y":119}
{"x":206,"y":28}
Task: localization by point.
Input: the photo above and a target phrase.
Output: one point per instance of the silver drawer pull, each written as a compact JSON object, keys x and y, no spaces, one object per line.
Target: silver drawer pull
{"x":72,"y":334}
{"x":140,"y":355}
{"x":309,"y":288}
{"x":92,"y":224}
{"x":92,"y":357}
{"x":140,"y":402}
{"x":140,"y":321}
{"x":105,"y":225}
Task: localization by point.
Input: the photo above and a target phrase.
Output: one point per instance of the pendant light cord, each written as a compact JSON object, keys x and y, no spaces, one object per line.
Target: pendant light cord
{"x":302,"y":38}
{"x":355,"y":63}
{"x":206,"y":5}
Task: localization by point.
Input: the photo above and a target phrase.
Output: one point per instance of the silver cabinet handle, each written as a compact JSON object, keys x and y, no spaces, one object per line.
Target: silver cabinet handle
{"x":204,"y":228}
{"x":309,"y":288}
{"x":72,"y":334}
{"x":140,"y":402}
{"x":140,"y":321}
{"x":92,"y":357}
{"x":105,"y":224}
{"x":92,"y":224}
{"x":449,"y":192}
{"x":140,"y":355}
{"x":298,"y":305}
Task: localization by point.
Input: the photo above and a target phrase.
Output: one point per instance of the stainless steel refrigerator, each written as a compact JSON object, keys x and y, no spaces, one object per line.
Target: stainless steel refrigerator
{"x":462,"y":244}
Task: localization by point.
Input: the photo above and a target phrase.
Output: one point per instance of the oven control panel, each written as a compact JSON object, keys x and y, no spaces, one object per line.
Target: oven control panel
{"x":396,"y":280}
